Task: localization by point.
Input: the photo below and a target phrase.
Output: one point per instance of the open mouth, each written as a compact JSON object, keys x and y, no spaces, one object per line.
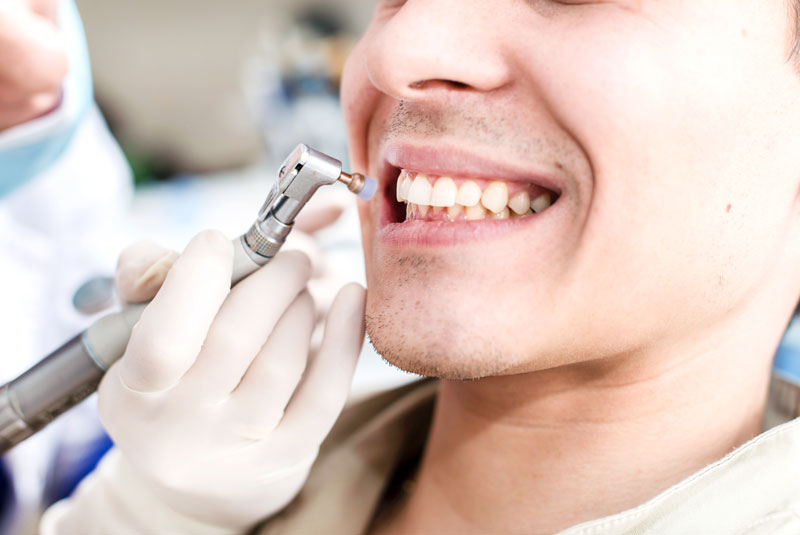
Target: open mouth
{"x":426,"y":197}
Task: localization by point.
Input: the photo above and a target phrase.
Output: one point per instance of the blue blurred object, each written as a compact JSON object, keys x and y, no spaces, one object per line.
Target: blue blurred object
{"x":8,"y":505}
{"x":73,"y":462}
{"x":787,"y":358}
{"x":369,"y":189}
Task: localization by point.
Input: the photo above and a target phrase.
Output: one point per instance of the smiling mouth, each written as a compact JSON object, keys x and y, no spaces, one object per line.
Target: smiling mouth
{"x":426,"y":197}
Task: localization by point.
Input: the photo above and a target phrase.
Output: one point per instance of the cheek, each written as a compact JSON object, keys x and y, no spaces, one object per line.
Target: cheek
{"x":677,"y":128}
{"x":359,"y":99}
{"x":367,"y":232}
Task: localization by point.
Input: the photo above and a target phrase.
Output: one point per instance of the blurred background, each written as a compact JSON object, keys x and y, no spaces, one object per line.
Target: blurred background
{"x":197,"y":86}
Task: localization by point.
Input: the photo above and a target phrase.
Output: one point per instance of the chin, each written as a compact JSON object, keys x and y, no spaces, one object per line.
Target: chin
{"x":429,"y":343}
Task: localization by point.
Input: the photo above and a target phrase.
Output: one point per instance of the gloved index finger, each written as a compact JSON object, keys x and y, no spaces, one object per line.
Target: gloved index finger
{"x":168,"y":337}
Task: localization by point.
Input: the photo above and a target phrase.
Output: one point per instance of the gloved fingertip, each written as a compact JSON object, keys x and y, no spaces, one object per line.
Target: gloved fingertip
{"x":349,"y":304}
{"x":213,"y":246}
{"x":354,"y":291}
{"x":216,"y":240}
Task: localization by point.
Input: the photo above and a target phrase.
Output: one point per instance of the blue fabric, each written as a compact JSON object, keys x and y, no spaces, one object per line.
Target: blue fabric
{"x":7,"y":499}
{"x":21,"y":164}
{"x":72,"y":463}
{"x":787,"y":358}
{"x":787,"y":361}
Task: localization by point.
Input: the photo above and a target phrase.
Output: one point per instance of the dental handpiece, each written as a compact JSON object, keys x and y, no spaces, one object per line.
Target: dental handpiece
{"x":73,"y":371}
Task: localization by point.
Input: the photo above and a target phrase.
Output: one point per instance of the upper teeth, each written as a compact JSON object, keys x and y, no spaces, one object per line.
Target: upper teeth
{"x":445,"y":193}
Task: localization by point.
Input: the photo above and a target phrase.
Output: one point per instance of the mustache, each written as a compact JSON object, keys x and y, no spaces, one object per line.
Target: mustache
{"x":420,"y":118}
{"x":473,"y":125}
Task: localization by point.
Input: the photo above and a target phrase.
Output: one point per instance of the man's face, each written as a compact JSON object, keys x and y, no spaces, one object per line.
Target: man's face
{"x":666,"y":131}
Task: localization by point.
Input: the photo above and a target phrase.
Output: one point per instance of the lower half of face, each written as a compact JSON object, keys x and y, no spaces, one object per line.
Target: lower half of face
{"x":454,"y":291}
{"x":603,"y":202}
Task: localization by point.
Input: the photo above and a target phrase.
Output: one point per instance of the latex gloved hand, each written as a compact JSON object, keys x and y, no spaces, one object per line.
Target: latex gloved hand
{"x":33,"y":60}
{"x":215,"y":408}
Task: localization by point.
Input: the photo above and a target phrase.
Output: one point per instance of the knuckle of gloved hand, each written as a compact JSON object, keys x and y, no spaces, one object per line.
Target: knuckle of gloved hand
{"x":107,"y":404}
{"x":227,"y":336}
{"x":286,"y":373}
{"x":154,"y":358}
{"x":328,"y":403}
{"x":169,"y":474}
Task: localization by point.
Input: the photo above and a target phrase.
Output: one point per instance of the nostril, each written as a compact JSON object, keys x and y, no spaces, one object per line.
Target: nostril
{"x":438,"y":84}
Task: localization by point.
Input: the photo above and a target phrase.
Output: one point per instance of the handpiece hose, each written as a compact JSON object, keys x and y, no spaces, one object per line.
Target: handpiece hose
{"x":72,"y":372}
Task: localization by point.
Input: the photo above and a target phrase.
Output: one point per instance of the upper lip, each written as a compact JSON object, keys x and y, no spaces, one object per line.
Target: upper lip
{"x":447,"y":160}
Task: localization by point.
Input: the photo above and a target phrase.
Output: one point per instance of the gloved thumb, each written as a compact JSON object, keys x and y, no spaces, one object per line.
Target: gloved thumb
{"x":141,"y":269}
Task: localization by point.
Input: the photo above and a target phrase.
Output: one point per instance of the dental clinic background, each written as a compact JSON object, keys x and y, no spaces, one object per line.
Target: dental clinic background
{"x":189,"y":109}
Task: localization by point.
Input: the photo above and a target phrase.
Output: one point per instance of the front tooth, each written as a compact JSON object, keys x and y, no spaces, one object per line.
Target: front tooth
{"x":502,"y":214}
{"x":420,"y":191}
{"x":405,"y":186}
{"x":423,"y":209}
{"x":400,"y":197}
{"x":444,"y":192}
{"x":454,"y":211}
{"x":469,"y":194}
{"x":542,"y":202}
{"x":495,"y":197}
{"x":474,"y":213}
{"x":520,"y":203}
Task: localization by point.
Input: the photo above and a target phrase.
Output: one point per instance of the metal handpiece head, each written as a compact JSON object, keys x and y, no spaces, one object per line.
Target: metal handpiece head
{"x":303,"y":172}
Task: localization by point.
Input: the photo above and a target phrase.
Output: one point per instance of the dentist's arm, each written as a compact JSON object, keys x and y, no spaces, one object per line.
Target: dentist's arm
{"x":216,"y":409}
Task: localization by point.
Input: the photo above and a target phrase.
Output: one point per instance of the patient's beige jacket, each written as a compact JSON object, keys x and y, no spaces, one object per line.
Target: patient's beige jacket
{"x":754,"y":490}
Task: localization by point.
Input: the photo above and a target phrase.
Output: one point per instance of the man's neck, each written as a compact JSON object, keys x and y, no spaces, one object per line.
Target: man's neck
{"x":540,"y":452}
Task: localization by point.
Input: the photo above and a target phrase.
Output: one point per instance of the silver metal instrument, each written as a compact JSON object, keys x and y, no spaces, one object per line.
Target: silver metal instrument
{"x":73,"y":371}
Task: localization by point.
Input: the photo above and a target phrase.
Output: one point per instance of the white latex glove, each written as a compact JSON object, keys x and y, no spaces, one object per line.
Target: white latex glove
{"x":215,"y":407}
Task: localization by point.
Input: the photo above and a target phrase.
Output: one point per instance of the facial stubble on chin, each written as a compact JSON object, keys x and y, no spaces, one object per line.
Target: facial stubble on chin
{"x":439,"y":347}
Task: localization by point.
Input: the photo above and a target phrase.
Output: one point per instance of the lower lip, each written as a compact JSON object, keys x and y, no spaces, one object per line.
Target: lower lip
{"x":442,"y":233}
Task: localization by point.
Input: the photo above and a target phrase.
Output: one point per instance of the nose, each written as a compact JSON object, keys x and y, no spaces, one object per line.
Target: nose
{"x":432,"y":46}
